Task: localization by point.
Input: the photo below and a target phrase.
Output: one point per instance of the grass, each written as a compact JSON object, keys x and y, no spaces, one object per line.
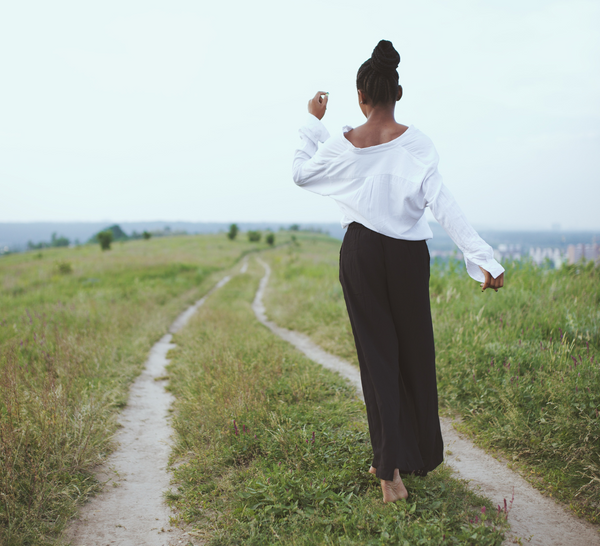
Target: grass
{"x":75,"y":329}
{"x":521,"y":367}
{"x":273,"y":449}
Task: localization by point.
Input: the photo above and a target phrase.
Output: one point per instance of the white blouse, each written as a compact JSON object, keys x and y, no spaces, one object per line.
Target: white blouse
{"x":387,"y":187}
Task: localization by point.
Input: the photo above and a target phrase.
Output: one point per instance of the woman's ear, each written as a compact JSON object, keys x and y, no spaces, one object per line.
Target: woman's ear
{"x":399,"y":93}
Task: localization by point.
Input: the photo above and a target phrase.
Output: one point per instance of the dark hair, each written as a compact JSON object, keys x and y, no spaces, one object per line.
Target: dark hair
{"x":378,"y":76}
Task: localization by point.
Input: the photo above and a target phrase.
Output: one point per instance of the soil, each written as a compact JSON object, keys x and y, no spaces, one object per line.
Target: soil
{"x":534,"y":519}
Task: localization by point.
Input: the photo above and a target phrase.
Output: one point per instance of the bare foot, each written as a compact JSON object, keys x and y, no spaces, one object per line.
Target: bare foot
{"x":394,"y":490}
{"x":372,"y":470}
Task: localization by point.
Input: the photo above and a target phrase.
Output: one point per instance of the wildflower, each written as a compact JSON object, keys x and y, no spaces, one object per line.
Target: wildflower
{"x":313,"y":437}
{"x":279,"y":463}
{"x":483,"y":509}
{"x":255,"y":436}
{"x":235,"y":428}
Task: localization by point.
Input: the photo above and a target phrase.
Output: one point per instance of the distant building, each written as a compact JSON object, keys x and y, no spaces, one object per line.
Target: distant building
{"x":540,"y":255}
{"x":508,"y":252}
{"x":576,"y":253}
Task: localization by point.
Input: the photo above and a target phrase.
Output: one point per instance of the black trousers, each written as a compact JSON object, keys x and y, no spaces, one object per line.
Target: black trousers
{"x":386,"y":288}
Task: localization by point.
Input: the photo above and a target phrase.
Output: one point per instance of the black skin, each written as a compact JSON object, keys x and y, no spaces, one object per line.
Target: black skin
{"x":381,"y":127}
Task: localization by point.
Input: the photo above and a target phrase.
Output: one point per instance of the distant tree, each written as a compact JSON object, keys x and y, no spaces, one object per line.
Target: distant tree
{"x":105,"y":238}
{"x":270,"y":239}
{"x":59,"y":241}
{"x":117,"y":234}
{"x":233,"y":231}
{"x":146,"y":235}
{"x":254,"y":236}
{"x":294,"y":227}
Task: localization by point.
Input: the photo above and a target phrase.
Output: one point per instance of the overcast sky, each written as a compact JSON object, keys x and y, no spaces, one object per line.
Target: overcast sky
{"x":189,"y":110}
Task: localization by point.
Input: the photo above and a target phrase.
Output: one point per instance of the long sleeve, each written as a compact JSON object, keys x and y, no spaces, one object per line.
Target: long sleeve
{"x":476,"y":251}
{"x":307,"y":169}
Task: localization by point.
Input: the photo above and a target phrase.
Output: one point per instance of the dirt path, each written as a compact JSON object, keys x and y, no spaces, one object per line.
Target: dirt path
{"x":536,"y":519}
{"x":131,"y":511}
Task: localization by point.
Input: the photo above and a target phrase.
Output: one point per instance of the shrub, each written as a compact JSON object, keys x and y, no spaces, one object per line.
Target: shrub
{"x":105,"y":238}
{"x":254,"y":236}
{"x":146,"y":235}
{"x":65,"y":268}
{"x":270,"y":239}
{"x":233,"y":231}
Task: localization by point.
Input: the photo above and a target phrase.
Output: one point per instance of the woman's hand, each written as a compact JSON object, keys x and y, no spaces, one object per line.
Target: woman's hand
{"x":490,"y":282}
{"x":318,"y":104}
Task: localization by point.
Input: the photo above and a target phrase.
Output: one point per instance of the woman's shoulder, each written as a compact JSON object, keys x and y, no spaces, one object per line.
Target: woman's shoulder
{"x":419,"y":145}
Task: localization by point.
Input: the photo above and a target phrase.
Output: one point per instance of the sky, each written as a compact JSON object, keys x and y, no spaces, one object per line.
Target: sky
{"x":187,"y":110}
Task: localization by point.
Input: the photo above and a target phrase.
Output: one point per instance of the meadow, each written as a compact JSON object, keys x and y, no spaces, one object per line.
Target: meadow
{"x":76,"y":325}
{"x":520,"y":368}
{"x":269,"y":447}
{"x":274,"y":449}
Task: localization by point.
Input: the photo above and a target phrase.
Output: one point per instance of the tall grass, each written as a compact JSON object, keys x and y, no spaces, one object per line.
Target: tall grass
{"x":71,"y":341}
{"x":520,"y":367}
{"x":273,"y":449}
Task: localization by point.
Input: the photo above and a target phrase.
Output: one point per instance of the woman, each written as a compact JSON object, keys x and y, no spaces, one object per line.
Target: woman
{"x":383,"y":175}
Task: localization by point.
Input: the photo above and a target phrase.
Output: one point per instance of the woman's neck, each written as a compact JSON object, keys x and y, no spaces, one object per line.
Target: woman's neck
{"x":381,"y":115}
{"x":380,"y":127}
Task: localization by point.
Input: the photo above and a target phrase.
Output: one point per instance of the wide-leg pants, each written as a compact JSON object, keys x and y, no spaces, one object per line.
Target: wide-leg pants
{"x":386,"y":288}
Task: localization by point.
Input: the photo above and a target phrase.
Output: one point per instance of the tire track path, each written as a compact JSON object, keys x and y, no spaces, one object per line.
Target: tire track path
{"x":132,"y":512}
{"x":534,"y":518}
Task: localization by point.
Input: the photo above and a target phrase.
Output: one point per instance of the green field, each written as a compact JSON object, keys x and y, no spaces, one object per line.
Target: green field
{"x":76,"y":326}
{"x":520,"y":367}
{"x":274,"y":449}
{"x":75,"y":329}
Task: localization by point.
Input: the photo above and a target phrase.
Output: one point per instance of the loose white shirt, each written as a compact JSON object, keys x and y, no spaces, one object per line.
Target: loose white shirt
{"x":387,"y":187}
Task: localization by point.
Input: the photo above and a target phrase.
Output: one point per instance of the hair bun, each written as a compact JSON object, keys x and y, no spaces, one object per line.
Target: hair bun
{"x":385,"y":58}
